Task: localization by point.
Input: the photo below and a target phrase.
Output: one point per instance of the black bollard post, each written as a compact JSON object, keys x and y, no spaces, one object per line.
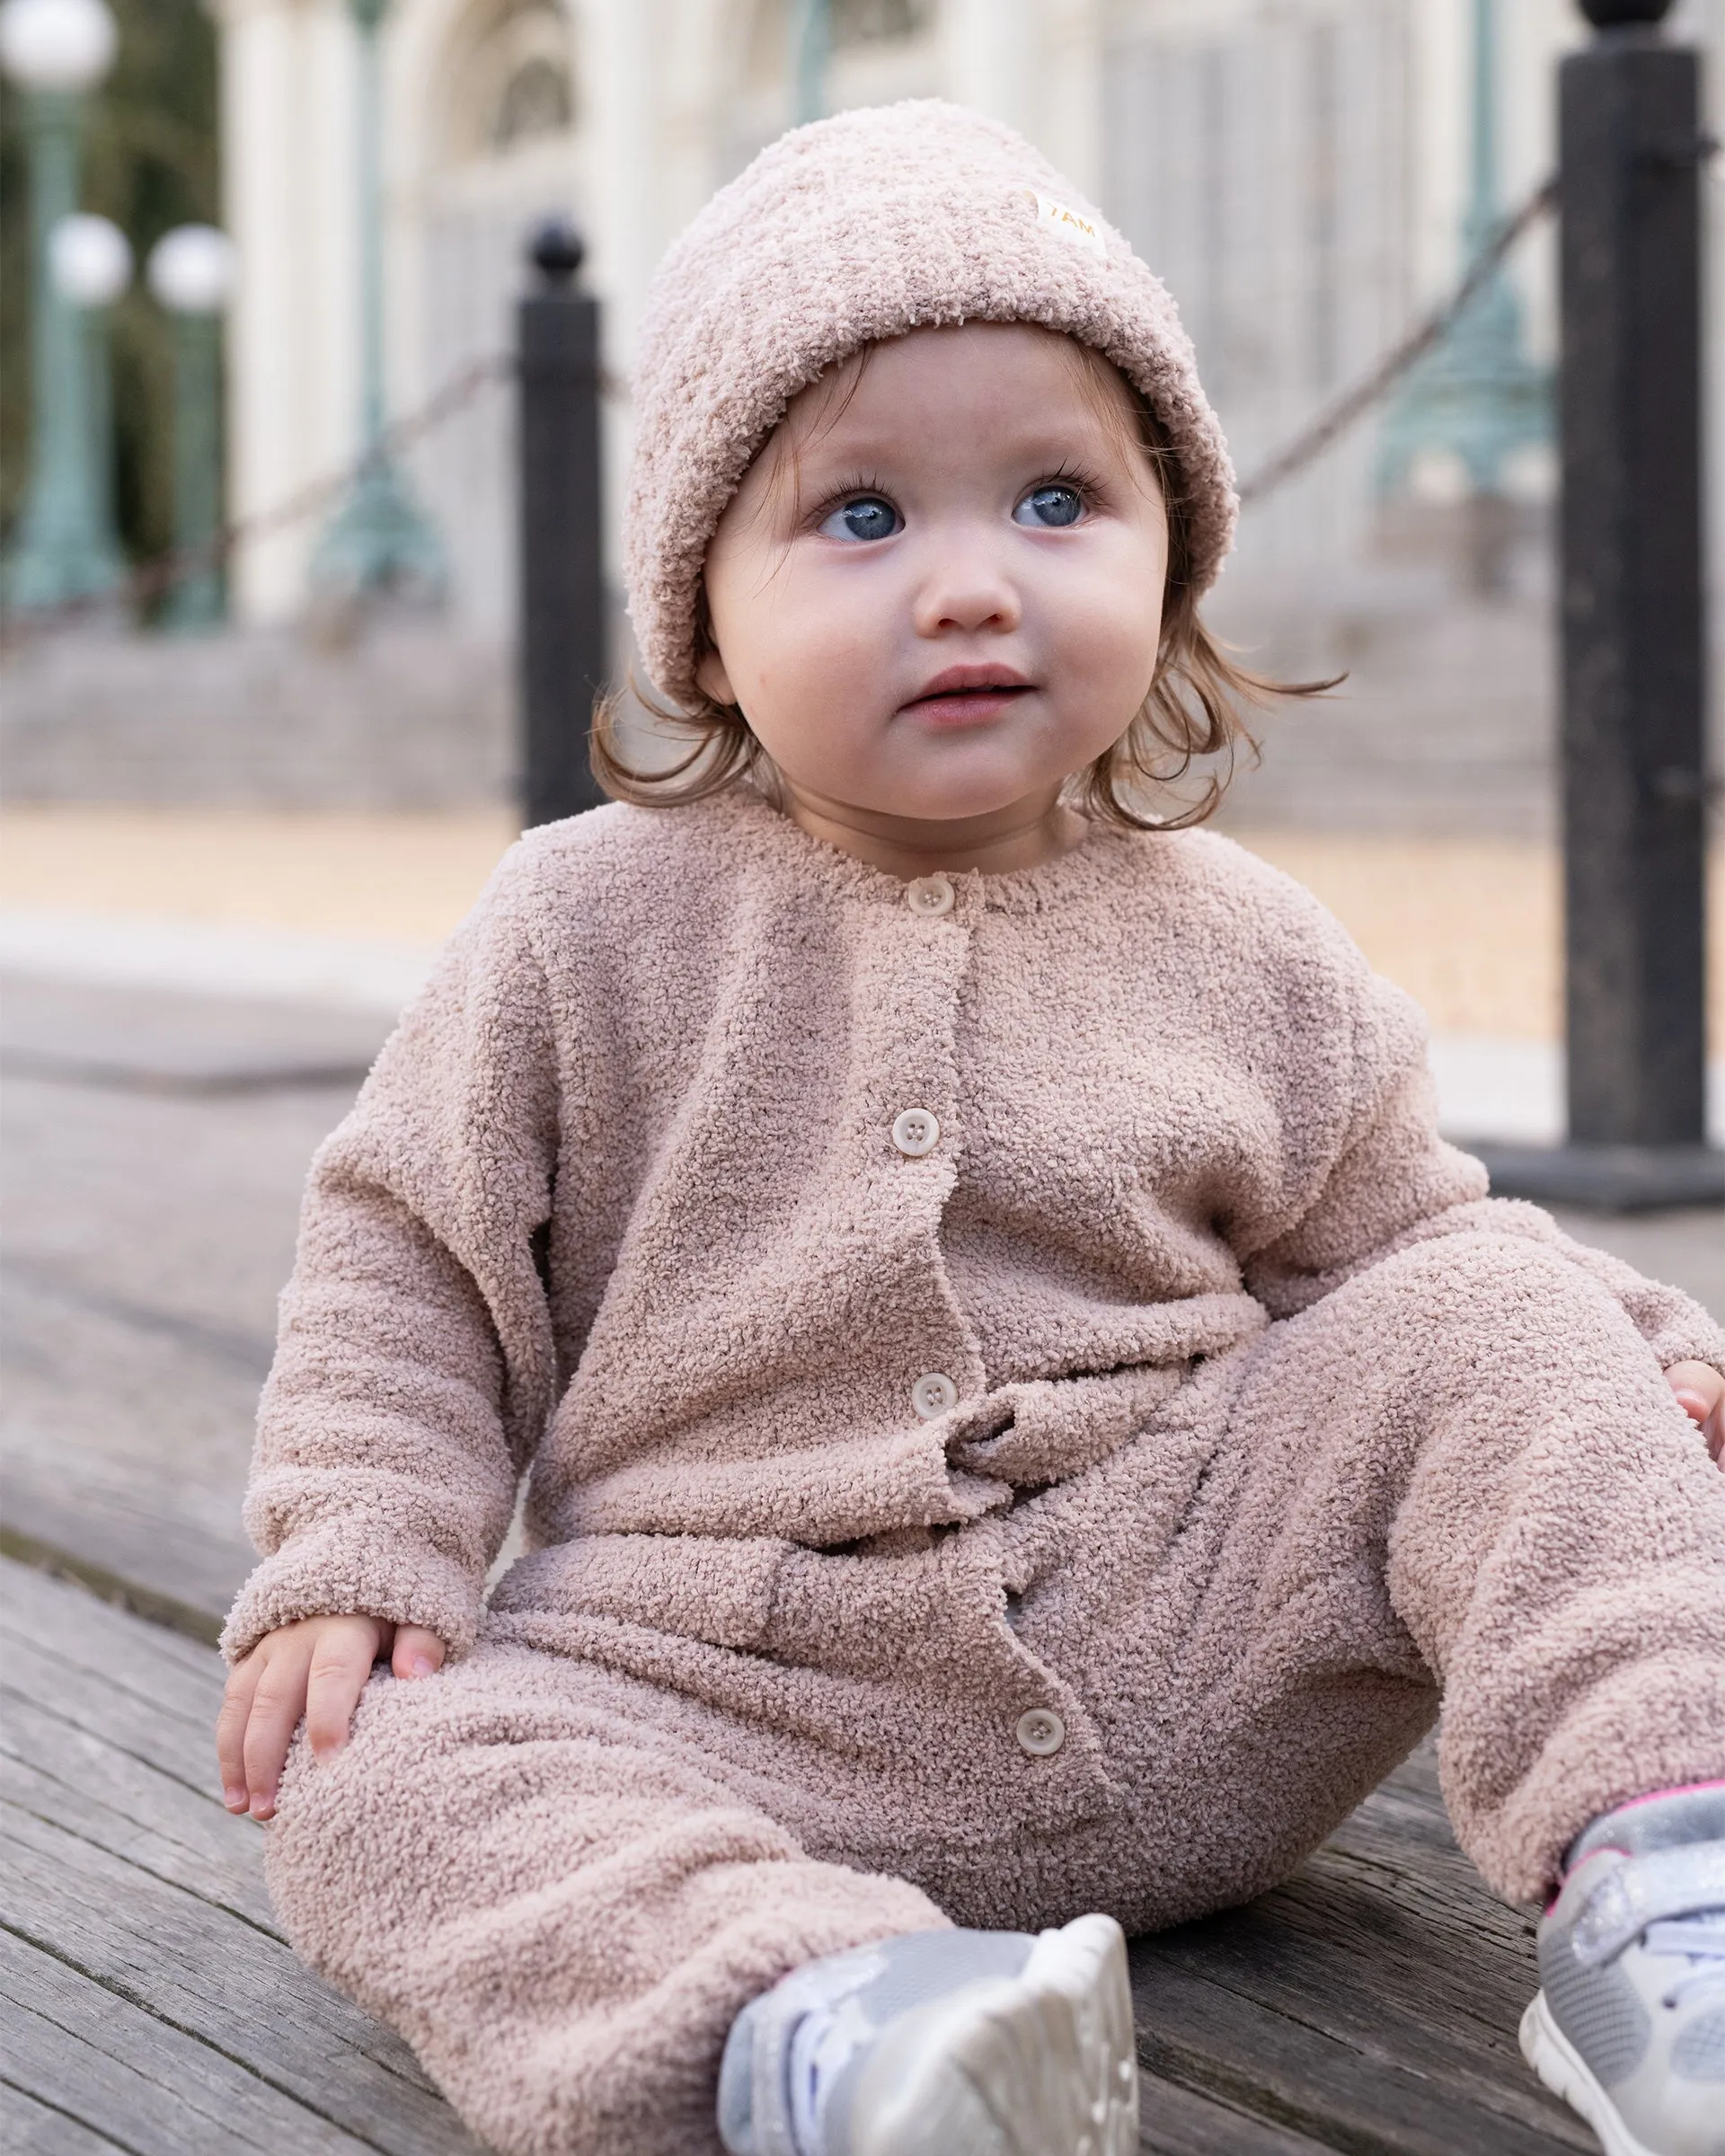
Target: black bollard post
{"x":1633,"y":628}
{"x":564,"y":663}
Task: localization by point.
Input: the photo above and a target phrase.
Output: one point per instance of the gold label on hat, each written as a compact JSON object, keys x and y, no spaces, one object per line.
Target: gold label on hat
{"x":1055,"y":218}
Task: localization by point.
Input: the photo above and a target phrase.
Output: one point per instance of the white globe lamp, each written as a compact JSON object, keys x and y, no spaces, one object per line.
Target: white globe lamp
{"x":64,"y":45}
{"x":90,"y":259}
{"x":191,"y":269}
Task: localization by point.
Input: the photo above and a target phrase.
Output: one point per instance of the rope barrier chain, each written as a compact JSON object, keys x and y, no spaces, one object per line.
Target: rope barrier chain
{"x":1354,"y":402}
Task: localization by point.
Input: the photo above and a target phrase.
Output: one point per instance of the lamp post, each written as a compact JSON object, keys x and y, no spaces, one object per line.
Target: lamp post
{"x":562,"y":619}
{"x":1632,"y":626}
{"x":378,"y":540}
{"x":812,"y":40}
{"x":89,"y":266}
{"x":56,"y":52}
{"x":191,"y":272}
{"x":1478,"y":397}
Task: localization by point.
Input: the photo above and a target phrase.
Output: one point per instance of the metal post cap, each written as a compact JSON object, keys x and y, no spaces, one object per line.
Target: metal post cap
{"x":1621,"y":15}
{"x":556,"y":250}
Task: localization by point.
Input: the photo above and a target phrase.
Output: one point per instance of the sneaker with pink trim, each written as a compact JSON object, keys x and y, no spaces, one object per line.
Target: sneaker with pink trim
{"x":1629,"y":2024}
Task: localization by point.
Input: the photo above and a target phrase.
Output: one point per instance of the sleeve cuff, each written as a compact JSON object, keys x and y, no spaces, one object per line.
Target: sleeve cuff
{"x":333,"y":1573}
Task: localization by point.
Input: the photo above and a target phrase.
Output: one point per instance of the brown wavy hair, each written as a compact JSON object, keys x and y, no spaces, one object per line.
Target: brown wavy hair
{"x":1195,"y":709}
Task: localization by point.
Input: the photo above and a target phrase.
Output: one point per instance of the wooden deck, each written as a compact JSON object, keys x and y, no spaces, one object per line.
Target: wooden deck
{"x":153,"y":2008}
{"x":156,"y":1146}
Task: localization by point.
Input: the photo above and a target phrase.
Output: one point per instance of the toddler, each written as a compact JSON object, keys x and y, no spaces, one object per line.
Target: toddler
{"x":1026,"y":1421}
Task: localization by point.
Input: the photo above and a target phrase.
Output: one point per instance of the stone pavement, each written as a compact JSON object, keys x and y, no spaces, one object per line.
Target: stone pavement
{"x":348,"y":907}
{"x":402,"y":712}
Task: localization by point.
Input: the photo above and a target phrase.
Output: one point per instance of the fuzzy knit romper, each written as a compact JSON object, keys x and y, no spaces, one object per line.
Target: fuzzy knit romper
{"x":1024,"y":1416}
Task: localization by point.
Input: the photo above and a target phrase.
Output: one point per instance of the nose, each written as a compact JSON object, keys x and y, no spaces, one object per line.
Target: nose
{"x":965,"y":588}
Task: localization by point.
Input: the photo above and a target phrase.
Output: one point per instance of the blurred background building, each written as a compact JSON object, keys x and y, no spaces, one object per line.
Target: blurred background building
{"x":1305,"y":174}
{"x":1301,"y":172}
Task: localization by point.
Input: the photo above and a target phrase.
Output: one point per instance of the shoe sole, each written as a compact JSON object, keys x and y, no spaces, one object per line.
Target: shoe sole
{"x":1567,"y":2075}
{"x":1043,"y":2064}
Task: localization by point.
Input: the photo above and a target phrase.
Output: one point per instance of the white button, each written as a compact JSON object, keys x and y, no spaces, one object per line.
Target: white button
{"x":916,"y":1131}
{"x":932,"y":1395}
{"x":1041,"y":1731}
{"x":929,"y":894}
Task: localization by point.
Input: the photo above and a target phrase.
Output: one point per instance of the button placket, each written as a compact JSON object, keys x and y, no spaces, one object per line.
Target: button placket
{"x":937,"y":959}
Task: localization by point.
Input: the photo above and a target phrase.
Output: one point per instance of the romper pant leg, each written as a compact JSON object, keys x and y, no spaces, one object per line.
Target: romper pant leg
{"x":559,"y":1905}
{"x":1462,"y":1474}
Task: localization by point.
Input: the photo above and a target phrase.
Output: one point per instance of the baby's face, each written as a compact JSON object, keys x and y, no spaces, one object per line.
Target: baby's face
{"x":938,"y":590}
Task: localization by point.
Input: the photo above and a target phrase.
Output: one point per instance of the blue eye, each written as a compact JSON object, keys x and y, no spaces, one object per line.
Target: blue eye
{"x":865,"y":516}
{"x":1051,"y":507}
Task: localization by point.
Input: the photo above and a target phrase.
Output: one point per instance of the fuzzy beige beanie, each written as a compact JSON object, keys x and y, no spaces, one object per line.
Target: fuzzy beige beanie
{"x":855,"y":230}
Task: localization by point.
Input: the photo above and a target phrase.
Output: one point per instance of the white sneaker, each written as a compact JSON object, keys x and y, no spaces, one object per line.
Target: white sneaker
{"x":1628,"y":2024}
{"x":941,"y":2043}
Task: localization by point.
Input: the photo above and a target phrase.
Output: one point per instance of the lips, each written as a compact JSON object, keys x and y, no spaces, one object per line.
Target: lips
{"x":957,"y":681}
{"x":967,"y":695}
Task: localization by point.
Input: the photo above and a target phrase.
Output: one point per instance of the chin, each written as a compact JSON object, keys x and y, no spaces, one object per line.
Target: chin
{"x":951,"y":797}
{"x":935,"y":807}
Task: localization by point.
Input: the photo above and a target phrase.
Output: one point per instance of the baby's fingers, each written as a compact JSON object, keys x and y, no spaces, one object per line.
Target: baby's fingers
{"x":418,"y":1653}
{"x":278,"y":1702}
{"x":230,"y":1732}
{"x":1700,"y":1390}
{"x":340,"y":1664}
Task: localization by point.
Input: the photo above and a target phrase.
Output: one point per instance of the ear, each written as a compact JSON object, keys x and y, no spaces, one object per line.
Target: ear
{"x":712,"y":679}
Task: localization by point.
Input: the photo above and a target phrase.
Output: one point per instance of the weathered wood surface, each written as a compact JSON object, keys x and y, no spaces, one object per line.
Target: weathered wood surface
{"x":156,"y":1149}
{"x":1370,"y":2004}
{"x":153,"y":2008}
{"x":156,"y":1146}
{"x":151,"y":2003}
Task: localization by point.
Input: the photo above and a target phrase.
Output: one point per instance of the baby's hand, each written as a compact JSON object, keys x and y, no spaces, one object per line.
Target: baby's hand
{"x":1700,"y":1394}
{"x":318,"y":1668}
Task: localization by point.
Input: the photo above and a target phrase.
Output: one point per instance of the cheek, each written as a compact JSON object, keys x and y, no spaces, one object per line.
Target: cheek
{"x":1104,"y":619}
{"x":802,"y":639}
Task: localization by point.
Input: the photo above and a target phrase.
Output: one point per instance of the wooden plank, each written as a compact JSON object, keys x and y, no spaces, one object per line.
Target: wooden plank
{"x":201,"y":1970}
{"x":1176,"y":2122}
{"x":149,"y":1236}
{"x":1371,"y":2002}
{"x":180,"y":1745}
{"x":92,"y":1635}
{"x":62,"y":1775}
{"x":79,"y":1032}
{"x":27,"y":2128}
{"x":122,"y":1866}
{"x":96,"y":1534}
{"x":174,"y":1732}
{"x":151,"y":2088}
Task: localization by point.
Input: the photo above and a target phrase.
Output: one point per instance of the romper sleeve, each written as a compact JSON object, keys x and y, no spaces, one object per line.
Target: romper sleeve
{"x":414,"y":1369}
{"x":1389,"y":1180}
